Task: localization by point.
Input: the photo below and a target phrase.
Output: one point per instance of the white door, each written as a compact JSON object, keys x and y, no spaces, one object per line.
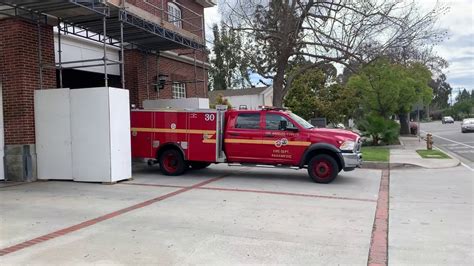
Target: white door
{"x":2,"y":143}
{"x":53,"y":134}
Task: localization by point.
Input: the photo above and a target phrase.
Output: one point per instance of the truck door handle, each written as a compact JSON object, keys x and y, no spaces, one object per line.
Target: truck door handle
{"x":233,"y":134}
{"x":268,"y":135}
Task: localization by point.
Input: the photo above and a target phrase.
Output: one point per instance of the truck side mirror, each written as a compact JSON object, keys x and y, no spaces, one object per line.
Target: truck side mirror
{"x":283,"y":125}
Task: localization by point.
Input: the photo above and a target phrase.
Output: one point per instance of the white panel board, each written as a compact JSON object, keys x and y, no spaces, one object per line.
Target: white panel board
{"x":203,"y":103}
{"x":184,"y":103}
{"x":120,"y":143}
{"x":2,"y":142}
{"x":53,"y":134}
{"x":251,"y":101}
{"x":90,"y":127}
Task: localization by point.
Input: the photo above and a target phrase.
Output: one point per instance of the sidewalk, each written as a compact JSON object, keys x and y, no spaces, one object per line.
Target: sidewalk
{"x":430,"y":217}
{"x":407,"y":156}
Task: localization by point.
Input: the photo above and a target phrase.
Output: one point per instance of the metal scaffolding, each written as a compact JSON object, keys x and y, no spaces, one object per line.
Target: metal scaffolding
{"x":110,"y":23}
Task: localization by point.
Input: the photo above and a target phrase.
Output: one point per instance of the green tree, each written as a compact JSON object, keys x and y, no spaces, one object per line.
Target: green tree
{"x":464,"y":105}
{"x":301,"y":99}
{"x":387,"y":88}
{"x":315,"y":94}
{"x":324,"y":31}
{"x":441,"y":91}
{"x":414,"y":90}
{"x":379,"y":86}
{"x":229,"y":66}
{"x":463,"y":96}
{"x":337,"y":103}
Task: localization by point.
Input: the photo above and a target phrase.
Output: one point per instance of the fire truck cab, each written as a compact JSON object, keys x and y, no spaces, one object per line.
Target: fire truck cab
{"x":183,"y":139}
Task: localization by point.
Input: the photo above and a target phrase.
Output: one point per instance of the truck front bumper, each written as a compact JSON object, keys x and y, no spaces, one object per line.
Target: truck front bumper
{"x":352,"y":160}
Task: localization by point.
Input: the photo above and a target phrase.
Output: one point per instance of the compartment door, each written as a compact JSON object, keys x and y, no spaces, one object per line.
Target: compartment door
{"x":202,"y":136}
{"x":142,"y":134}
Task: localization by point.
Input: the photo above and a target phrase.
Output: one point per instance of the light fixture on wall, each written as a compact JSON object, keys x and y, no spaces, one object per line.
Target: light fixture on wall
{"x":160,"y":81}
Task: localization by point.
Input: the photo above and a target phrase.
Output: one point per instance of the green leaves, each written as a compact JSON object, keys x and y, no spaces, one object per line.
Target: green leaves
{"x":229,"y":66}
{"x":379,"y":129}
{"x":464,"y":106}
{"x":313,"y":94}
{"x":301,"y":98}
{"x":388,"y":88}
{"x":220,"y":100}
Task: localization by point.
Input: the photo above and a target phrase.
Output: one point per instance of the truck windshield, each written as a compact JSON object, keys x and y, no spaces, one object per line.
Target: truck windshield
{"x":300,"y":121}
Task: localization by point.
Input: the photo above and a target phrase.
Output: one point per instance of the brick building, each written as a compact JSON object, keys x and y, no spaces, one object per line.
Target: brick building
{"x":163,"y":57}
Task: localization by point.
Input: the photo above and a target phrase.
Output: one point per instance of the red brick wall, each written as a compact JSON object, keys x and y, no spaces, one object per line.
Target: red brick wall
{"x":191,"y":23}
{"x":19,"y":73}
{"x":135,"y":77}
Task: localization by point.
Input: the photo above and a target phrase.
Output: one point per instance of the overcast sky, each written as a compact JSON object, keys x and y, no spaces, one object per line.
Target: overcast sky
{"x":457,"y":49}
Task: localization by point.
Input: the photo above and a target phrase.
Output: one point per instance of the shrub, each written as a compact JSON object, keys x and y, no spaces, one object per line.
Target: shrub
{"x":379,"y":129}
{"x":220,"y":100}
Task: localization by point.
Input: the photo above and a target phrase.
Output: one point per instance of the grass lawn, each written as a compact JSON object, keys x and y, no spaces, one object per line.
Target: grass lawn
{"x":375,"y":154}
{"x":432,"y":154}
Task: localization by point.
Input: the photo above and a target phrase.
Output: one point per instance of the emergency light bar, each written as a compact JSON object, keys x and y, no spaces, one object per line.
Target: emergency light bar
{"x":266,"y":107}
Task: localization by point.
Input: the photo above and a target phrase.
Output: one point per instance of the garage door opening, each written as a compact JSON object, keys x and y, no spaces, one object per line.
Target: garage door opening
{"x":73,"y":78}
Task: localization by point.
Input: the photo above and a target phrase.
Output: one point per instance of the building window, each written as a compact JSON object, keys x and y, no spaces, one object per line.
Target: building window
{"x":174,"y":14}
{"x":179,"y":90}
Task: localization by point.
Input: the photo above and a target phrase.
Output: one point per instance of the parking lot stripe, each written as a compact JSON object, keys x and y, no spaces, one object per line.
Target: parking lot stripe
{"x":259,"y":192}
{"x":151,"y":185}
{"x":378,"y":253}
{"x":102,"y":218}
{"x":14,"y":185}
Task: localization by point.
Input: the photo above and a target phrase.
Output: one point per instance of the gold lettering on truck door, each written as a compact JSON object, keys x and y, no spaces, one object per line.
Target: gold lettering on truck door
{"x":281,"y":153}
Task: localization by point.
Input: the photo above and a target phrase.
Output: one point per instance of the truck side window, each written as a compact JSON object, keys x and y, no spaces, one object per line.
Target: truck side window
{"x":272,"y":122}
{"x":248,"y":121}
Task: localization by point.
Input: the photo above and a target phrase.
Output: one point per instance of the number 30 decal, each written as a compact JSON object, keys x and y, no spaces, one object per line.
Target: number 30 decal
{"x":209,"y":117}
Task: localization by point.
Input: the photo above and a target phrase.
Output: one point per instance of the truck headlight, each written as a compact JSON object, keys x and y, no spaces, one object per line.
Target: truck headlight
{"x":347,"y":145}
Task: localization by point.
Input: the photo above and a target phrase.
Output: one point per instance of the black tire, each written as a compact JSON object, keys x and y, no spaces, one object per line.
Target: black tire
{"x":323,"y":168}
{"x":172,"y":163}
{"x":198,"y":165}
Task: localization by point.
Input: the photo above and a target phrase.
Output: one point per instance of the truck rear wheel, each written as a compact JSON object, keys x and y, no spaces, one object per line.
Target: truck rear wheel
{"x":198,"y":165}
{"x":323,"y":168}
{"x":172,"y":162}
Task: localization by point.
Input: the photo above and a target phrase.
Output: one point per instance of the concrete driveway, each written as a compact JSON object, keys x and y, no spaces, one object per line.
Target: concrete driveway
{"x":220,"y":215}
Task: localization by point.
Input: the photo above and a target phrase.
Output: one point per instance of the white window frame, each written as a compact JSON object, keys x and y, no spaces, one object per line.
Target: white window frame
{"x":179,"y":90}
{"x":174,"y":15}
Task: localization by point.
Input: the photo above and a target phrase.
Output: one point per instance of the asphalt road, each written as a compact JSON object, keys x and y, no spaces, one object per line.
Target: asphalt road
{"x":450,"y":138}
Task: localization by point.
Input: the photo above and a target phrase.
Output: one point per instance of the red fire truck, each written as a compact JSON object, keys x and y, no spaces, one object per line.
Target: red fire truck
{"x":183,"y":139}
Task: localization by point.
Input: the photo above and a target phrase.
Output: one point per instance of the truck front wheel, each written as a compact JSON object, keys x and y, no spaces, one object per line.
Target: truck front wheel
{"x":172,"y":162}
{"x":323,"y":168}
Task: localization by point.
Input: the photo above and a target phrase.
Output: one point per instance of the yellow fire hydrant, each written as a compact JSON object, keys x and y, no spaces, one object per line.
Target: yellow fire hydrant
{"x":429,"y":141}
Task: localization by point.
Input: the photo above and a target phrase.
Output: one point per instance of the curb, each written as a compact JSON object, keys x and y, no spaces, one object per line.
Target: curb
{"x":451,"y":154}
{"x":386,"y":165}
{"x":401,"y":142}
{"x":375,"y":165}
